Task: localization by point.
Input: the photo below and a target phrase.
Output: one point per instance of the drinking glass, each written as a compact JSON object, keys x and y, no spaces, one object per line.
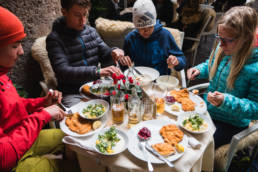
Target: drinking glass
{"x":118,"y":109}
{"x":134,"y":112}
{"x":147,"y":110}
{"x":159,"y":98}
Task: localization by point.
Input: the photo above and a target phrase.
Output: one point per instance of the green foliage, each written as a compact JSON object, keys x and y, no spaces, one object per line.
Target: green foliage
{"x":21,"y":91}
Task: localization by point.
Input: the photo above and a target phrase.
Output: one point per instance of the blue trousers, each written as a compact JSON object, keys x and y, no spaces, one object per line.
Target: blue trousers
{"x":224,"y":133}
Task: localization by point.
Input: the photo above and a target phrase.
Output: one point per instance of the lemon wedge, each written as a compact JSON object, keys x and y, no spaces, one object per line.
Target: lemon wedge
{"x":175,"y":107}
{"x":96,"y":125}
{"x":180,"y":148}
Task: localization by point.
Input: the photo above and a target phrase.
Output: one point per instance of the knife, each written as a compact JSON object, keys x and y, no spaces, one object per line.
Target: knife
{"x":149,"y":148}
{"x":67,"y":111}
{"x":137,"y":71}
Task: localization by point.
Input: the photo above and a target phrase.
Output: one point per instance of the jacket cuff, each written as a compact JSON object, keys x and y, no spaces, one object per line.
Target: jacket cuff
{"x":46,"y":117}
{"x":200,"y":76}
{"x":180,"y":65}
{"x":224,"y":104}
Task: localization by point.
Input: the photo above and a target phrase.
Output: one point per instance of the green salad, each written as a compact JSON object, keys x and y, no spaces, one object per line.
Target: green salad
{"x":195,"y":123}
{"x":93,"y":111}
{"x":107,"y":141}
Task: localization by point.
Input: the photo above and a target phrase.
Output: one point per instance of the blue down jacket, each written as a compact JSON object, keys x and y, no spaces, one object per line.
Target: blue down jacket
{"x":240,"y":104}
{"x":74,"y":55}
{"x":153,"y":51}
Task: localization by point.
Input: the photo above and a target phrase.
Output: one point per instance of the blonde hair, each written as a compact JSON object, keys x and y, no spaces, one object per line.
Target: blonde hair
{"x":243,"y":21}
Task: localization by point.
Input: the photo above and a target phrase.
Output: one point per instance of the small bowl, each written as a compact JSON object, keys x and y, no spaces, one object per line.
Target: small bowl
{"x":187,"y":115}
{"x":121,"y":145}
{"x":93,"y":102}
{"x":167,"y":81}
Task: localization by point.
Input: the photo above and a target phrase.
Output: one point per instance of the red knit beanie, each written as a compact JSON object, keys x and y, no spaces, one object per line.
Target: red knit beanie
{"x":11,"y":28}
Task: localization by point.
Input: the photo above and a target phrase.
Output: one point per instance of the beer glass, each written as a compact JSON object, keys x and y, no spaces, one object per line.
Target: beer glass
{"x":117,"y":109}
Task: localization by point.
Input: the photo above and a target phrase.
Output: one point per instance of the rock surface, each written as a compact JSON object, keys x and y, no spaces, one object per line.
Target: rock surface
{"x":37,"y":17}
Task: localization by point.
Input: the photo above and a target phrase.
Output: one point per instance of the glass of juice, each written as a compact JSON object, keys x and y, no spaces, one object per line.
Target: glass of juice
{"x":160,"y":104}
{"x":159,"y":98}
{"x":117,"y":109}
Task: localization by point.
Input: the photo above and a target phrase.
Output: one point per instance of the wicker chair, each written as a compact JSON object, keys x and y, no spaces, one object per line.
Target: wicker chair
{"x":196,"y":31}
{"x":39,"y":53}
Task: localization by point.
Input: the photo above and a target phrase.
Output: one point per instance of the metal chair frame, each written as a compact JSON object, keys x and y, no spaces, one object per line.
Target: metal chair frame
{"x":236,"y":138}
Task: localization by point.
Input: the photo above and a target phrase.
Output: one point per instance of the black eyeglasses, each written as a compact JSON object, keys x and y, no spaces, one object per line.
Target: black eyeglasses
{"x":224,"y":40}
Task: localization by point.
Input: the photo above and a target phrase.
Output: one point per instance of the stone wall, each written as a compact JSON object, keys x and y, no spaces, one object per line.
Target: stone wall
{"x":37,"y":17}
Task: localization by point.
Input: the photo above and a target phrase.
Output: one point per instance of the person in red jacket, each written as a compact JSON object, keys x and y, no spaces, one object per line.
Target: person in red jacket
{"x":21,"y":140}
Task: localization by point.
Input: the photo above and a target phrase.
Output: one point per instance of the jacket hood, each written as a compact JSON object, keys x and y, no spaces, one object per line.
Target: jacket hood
{"x":157,"y":28}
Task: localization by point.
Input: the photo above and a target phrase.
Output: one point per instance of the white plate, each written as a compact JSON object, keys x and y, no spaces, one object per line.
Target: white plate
{"x":184,"y":116}
{"x":200,"y":106}
{"x":153,"y":73}
{"x":154,"y":126}
{"x":85,"y":95}
{"x":120,"y":146}
{"x":67,"y":131}
{"x":93,"y":102}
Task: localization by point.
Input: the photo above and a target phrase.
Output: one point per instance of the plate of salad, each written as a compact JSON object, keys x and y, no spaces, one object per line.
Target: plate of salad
{"x":99,"y":88}
{"x":94,"y":109}
{"x":110,"y":141}
{"x":194,"y":123}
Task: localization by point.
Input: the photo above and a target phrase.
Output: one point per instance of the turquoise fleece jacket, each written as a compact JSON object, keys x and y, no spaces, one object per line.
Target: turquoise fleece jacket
{"x":240,"y":104}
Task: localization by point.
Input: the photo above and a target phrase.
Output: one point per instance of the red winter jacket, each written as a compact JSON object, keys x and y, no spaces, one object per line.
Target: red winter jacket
{"x":20,"y":123}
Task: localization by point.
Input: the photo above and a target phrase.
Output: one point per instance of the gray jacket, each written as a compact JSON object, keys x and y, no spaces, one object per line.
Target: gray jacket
{"x":74,"y":55}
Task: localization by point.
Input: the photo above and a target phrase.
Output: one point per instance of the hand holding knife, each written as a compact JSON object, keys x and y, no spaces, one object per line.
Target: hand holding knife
{"x":60,"y":104}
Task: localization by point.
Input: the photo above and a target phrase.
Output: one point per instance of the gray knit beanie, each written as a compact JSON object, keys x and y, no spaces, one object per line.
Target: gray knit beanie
{"x":144,"y":13}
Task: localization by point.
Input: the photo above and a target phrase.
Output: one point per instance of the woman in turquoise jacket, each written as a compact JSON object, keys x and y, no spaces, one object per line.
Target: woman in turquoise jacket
{"x":232,"y":69}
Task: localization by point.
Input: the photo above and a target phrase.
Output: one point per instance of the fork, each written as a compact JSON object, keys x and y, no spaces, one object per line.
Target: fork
{"x":117,"y":65}
{"x":68,"y":111}
{"x":188,"y":82}
{"x":142,"y":144}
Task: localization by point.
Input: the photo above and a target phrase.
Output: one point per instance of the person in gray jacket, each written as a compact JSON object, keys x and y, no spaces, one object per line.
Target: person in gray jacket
{"x":75,"y":49}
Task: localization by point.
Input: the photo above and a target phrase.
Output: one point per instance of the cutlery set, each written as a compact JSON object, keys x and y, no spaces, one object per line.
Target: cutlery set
{"x":143,"y":145}
{"x":153,"y":151}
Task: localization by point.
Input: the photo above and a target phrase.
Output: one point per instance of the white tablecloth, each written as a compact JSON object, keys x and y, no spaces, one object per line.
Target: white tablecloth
{"x":194,"y":160}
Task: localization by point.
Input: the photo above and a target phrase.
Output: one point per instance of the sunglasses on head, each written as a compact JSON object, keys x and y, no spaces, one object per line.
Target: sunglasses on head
{"x":224,"y":40}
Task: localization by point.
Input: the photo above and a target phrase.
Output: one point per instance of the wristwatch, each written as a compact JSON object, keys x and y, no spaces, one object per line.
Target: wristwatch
{"x":98,"y":72}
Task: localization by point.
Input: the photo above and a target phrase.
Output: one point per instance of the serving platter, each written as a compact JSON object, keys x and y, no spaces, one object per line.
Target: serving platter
{"x":154,"y":126}
{"x":77,"y":108}
{"x":200,"y":106}
{"x":100,"y":85}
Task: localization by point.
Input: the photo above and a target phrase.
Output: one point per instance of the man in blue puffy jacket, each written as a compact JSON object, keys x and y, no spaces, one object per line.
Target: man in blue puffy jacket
{"x":150,"y":44}
{"x":75,"y":49}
